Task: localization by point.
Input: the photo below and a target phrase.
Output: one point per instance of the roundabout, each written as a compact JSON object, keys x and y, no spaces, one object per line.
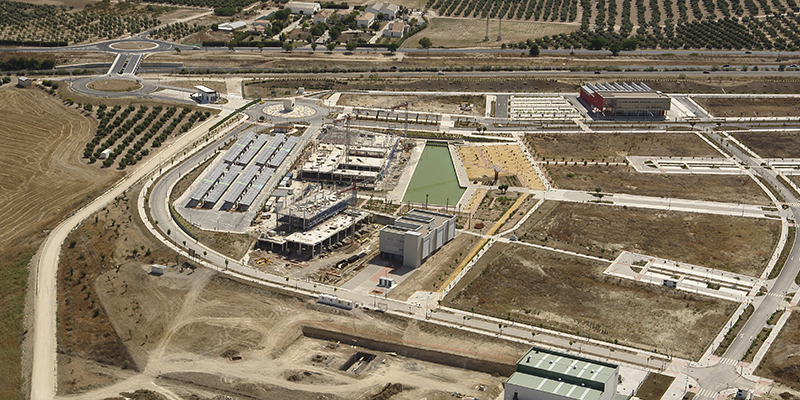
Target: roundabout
{"x":299,"y":111}
{"x":134,"y":45}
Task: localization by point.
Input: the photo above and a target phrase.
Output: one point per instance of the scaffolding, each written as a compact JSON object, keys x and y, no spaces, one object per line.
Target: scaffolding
{"x":313,"y":206}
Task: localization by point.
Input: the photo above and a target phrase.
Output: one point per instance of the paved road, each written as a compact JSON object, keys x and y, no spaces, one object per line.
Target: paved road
{"x":43,"y":379}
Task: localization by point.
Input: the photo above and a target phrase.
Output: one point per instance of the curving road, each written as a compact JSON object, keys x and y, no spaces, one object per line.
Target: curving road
{"x":43,"y":377}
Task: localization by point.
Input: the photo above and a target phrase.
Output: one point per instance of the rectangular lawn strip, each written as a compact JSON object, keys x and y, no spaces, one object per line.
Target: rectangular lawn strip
{"x":571,"y":294}
{"x":613,"y":147}
{"x":782,"y":361}
{"x":621,"y":179}
{"x":13,"y":284}
{"x":654,"y":386}
{"x":771,"y":145}
{"x":787,"y":248}
{"x":734,"y":244}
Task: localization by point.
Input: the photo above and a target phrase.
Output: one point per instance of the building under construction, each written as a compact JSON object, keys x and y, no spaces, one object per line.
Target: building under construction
{"x":348,"y":157}
{"x":313,"y":221}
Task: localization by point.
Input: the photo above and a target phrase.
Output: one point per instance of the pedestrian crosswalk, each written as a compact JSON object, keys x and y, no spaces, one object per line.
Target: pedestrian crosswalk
{"x":710,"y":394}
{"x":728,"y":361}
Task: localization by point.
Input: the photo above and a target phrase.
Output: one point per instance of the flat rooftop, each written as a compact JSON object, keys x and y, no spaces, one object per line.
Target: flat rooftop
{"x":628,"y":95}
{"x":553,"y":386}
{"x":553,"y":364}
{"x":421,"y":221}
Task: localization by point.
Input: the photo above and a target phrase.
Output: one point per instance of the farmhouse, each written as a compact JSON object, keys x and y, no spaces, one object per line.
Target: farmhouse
{"x":325,"y":16}
{"x":303,"y":8}
{"x":415,"y":236}
{"x":552,"y":375}
{"x":365,"y":20}
{"x":388,"y":10}
{"x":395,"y":29}
{"x":23,"y":81}
{"x":626,"y":99}
{"x":205,"y":94}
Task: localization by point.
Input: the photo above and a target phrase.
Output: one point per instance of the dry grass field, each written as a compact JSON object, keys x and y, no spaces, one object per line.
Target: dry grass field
{"x":469,"y":32}
{"x":782,"y":361}
{"x":572,"y":294}
{"x":750,"y":107}
{"x":515,"y":167}
{"x":621,"y":179}
{"x":741,"y":245}
{"x":613,"y":147}
{"x":43,"y":179}
{"x":771,"y":145}
{"x":115,"y":85}
{"x":434,"y":103}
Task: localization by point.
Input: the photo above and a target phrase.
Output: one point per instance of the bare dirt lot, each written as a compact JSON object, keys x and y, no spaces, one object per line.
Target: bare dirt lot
{"x":741,"y":245}
{"x":468,"y":32}
{"x":782,"y":361}
{"x":571,"y":294}
{"x":439,"y":104}
{"x":103,"y":246}
{"x":613,"y":147}
{"x":115,"y":85}
{"x":750,"y":107}
{"x":620,"y":179}
{"x":771,"y":145}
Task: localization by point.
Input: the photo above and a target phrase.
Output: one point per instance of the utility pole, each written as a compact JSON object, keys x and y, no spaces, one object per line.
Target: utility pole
{"x":486,"y":39}
{"x":499,"y":28}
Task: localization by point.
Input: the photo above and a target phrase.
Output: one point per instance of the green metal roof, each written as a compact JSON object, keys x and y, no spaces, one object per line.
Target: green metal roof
{"x":547,"y":385}
{"x":567,"y":367}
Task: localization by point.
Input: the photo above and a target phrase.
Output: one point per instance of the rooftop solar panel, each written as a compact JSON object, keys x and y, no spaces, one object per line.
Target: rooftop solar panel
{"x":252,"y":192}
{"x":223,"y":184}
{"x":272,"y":146}
{"x":207,"y":181}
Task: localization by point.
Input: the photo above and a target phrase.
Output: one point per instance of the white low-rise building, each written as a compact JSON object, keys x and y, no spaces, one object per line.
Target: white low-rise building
{"x":232,"y":26}
{"x":326,"y":16}
{"x":395,"y":29}
{"x":413,"y":237}
{"x":365,"y":20}
{"x":388,"y":10}
{"x":205,"y":94}
{"x":303,"y":8}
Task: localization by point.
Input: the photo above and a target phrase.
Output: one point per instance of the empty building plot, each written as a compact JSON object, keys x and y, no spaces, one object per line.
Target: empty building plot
{"x":222,"y":186}
{"x":541,"y":108}
{"x":239,"y":185}
{"x":269,"y":150}
{"x":252,"y":192}
{"x":253,"y":149}
{"x":239,"y":147}
{"x":283,"y":152}
{"x":206,"y":184}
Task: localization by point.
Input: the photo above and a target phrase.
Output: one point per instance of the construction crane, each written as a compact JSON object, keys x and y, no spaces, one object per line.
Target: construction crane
{"x":346,"y":119}
{"x":404,"y":104}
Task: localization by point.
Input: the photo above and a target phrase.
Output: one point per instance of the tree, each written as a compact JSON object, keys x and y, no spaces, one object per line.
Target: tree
{"x":534,"y":51}
{"x":287,"y":46}
{"x":214,"y":27}
{"x":232,"y":45}
{"x":615,"y":49}
{"x":597,"y":44}
{"x":426,"y":43}
{"x":260,"y":46}
{"x":313,"y":46}
{"x":351,"y":46}
{"x":381,"y":16}
{"x":178,"y":50}
{"x":330,"y":46}
{"x":392,"y":47}
{"x":629,"y":44}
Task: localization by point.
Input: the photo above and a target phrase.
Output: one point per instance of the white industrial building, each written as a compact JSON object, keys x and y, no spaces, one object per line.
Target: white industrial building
{"x":416,"y":235}
{"x":303,"y":8}
{"x":550,"y":375}
{"x":205,"y":94}
{"x":232,"y":26}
